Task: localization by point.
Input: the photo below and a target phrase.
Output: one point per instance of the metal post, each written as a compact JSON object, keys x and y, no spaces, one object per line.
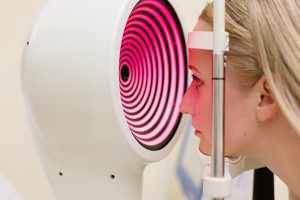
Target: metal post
{"x":217,"y":163}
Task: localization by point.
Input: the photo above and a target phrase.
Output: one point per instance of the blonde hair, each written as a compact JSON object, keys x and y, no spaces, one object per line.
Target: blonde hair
{"x":265,"y":40}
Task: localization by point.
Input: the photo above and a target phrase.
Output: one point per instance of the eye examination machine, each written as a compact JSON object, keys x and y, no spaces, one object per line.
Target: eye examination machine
{"x":102,"y":84}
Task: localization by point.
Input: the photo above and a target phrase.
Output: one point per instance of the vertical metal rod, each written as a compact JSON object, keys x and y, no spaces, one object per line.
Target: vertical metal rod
{"x":218,"y":119}
{"x":217,"y":164}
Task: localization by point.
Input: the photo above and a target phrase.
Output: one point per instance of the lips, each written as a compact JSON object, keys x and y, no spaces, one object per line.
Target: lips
{"x":197,"y":133}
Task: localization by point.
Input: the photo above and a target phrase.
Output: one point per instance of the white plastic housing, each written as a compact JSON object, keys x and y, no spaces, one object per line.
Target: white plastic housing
{"x":70,"y":81}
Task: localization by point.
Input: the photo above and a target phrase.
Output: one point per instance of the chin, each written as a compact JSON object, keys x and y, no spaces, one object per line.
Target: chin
{"x":204,"y":149}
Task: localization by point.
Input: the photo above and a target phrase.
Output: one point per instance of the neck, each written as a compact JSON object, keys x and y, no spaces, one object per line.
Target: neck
{"x":281,"y":154}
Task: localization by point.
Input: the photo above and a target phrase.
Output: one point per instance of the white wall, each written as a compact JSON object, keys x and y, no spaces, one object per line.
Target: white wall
{"x":18,"y":160}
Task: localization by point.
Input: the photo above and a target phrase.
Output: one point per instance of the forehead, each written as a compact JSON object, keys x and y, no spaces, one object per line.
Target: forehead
{"x":200,"y":59}
{"x":202,"y":25}
{"x":198,"y":55}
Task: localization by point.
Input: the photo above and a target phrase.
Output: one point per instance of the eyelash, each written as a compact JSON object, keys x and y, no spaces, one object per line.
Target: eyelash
{"x":198,"y":81}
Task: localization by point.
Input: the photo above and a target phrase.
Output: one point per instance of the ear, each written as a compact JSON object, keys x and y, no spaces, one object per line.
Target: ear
{"x":267,"y":106}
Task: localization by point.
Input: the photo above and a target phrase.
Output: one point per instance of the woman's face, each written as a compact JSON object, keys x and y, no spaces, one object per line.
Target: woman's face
{"x":197,"y":101}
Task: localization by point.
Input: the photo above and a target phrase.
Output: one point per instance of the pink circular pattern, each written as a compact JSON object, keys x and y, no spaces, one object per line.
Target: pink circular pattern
{"x":152,"y":72}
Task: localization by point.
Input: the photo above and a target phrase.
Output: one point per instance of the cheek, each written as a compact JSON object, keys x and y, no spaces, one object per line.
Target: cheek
{"x":236,"y":136}
{"x":204,"y":108}
{"x":237,"y":123}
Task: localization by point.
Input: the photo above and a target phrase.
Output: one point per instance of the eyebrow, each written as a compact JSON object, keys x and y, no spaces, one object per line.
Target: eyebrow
{"x":192,"y":67}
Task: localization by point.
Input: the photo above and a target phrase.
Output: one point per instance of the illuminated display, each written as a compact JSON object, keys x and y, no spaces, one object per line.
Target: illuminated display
{"x":152,"y":72}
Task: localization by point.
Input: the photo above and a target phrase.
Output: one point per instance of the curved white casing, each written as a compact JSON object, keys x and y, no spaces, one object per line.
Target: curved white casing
{"x":70,"y":83}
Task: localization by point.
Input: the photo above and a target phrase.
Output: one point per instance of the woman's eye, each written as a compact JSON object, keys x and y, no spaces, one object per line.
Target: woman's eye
{"x":198,"y":81}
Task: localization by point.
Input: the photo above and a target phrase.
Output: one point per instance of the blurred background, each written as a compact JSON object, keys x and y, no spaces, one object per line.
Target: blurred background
{"x":21,"y":173}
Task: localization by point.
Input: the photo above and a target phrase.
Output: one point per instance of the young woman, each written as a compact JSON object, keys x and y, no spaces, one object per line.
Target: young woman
{"x":262,"y":92}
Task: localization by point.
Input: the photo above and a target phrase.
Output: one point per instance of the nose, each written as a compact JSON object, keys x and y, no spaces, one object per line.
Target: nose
{"x":186,"y":105}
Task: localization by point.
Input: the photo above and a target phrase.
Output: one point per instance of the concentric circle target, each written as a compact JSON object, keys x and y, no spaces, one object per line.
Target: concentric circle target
{"x":152,"y":72}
